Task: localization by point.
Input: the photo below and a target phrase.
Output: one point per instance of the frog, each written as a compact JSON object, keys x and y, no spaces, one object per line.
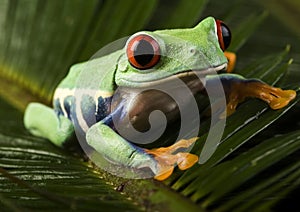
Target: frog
{"x":139,"y":63}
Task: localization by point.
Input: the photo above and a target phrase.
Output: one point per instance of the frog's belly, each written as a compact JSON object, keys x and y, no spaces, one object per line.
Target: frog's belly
{"x":169,"y":98}
{"x":137,"y":107}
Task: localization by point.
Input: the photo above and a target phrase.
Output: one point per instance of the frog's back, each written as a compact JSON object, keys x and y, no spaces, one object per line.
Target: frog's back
{"x":70,"y":80}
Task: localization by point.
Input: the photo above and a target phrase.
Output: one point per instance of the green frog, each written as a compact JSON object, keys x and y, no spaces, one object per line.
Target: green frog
{"x":141,"y":63}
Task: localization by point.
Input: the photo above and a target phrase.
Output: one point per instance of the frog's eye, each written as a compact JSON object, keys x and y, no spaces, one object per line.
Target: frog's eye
{"x":143,"y":51}
{"x":224,"y":35}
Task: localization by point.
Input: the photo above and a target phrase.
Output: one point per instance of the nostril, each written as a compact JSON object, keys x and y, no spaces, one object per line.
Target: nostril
{"x":192,"y":50}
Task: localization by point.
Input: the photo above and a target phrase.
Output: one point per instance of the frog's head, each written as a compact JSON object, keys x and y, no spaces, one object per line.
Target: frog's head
{"x":154,"y":57}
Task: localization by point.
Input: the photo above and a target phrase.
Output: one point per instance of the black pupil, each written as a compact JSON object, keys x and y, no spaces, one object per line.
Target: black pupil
{"x":143,"y":52}
{"x":226,"y":35}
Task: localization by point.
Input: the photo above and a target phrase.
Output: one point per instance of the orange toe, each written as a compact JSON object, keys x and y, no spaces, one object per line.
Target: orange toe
{"x":282,"y":98}
{"x":183,"y":143}
{"x":285,"y":97}
{"x":164,"y":174}
{"x":186,"y":160}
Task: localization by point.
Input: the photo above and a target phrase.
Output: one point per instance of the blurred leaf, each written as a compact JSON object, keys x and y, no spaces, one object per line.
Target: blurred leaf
{"x":241,"y":34}
{"x":37,"y":52}
{"x":179,"y":14}
{"x":287,"y":11}
{"x":115,"y":19}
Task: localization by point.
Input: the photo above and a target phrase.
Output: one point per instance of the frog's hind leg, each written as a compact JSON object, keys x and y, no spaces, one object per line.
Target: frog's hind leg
{"x":160,"y":161}
{"x":42,"y":121}
{"x":237,"y":89}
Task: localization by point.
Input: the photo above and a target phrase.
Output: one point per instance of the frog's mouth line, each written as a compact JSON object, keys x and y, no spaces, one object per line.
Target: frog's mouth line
{"x":200,"y":73}
{"x":195,"y":74}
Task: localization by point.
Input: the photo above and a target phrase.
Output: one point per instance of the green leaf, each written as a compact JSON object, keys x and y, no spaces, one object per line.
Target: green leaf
{"x":250,"y":164}
{"x":274,"y":184}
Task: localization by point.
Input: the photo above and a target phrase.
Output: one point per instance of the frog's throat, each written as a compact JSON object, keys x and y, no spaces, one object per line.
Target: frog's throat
{"x":200,"y":73}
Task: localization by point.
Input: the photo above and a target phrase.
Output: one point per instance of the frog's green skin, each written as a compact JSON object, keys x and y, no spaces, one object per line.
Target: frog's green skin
{"x":198,"y":48}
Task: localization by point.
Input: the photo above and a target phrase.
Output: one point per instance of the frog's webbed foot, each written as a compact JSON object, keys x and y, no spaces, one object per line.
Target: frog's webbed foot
{"x":231,"y":57}
{"x":168,"y":157}
{"x":275,"y":97}
{"x":240,"y":89}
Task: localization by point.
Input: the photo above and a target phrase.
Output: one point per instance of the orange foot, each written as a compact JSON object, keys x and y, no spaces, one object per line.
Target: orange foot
{"x":168,"y":157}
{"x":276,"y":97}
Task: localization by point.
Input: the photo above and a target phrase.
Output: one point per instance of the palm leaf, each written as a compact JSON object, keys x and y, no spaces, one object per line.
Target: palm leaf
{"x":253,"y":168}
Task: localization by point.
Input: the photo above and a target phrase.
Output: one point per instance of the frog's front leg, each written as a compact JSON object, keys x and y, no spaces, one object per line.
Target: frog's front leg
{"x":237,"y":89}
{"x":42,"y":121}
{"x":161,"y":161}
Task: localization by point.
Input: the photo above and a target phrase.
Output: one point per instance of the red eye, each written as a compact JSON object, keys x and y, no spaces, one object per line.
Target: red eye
{"x":224,"y":35}
{"x":143,"y":52}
